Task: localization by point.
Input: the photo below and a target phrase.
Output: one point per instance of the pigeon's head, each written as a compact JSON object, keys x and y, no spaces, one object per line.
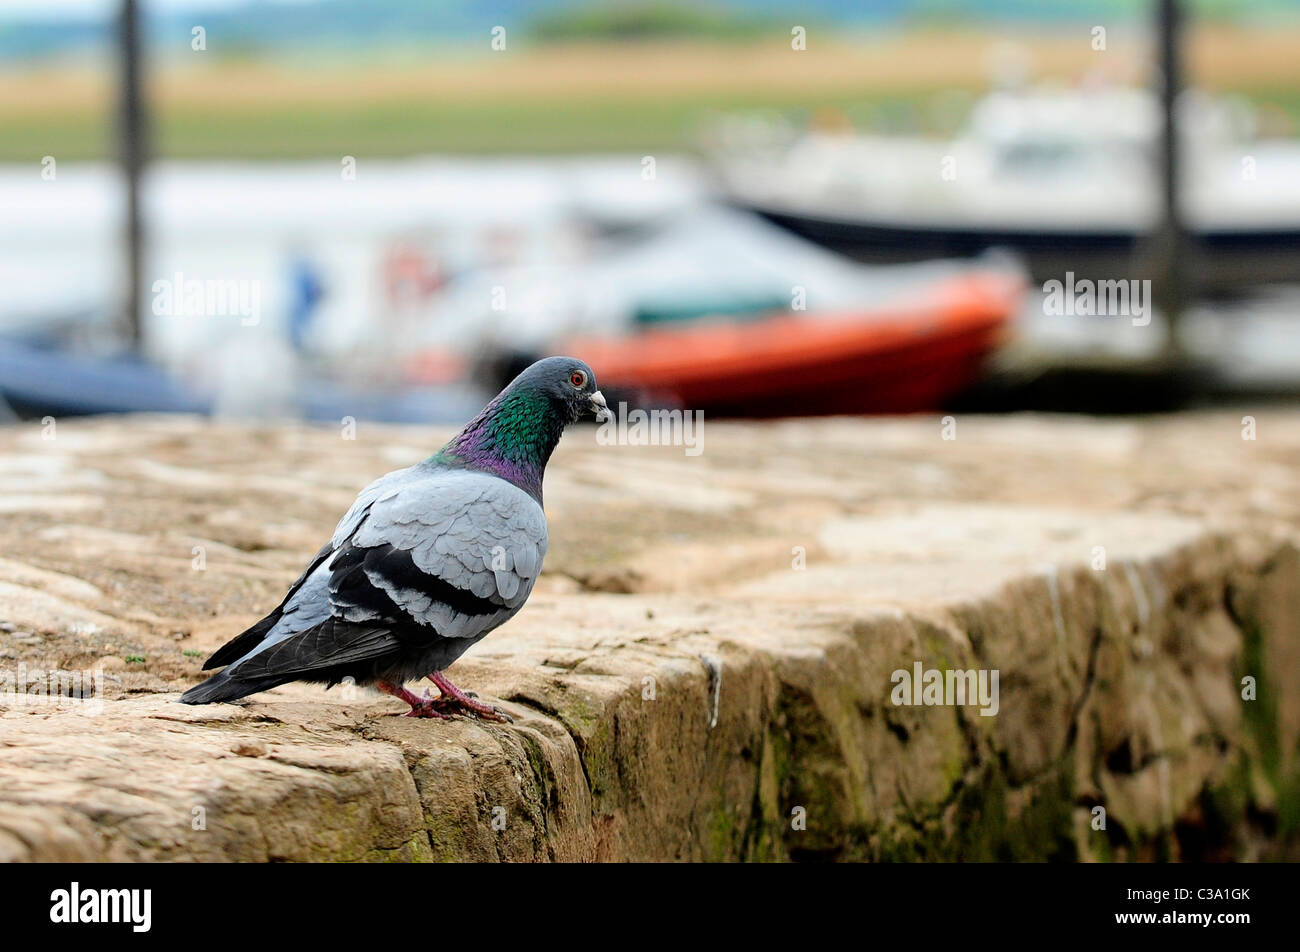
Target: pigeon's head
{"x":569,"y":384}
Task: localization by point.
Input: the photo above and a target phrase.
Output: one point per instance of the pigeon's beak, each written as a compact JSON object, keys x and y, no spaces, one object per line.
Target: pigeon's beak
{"x":600,"y":407}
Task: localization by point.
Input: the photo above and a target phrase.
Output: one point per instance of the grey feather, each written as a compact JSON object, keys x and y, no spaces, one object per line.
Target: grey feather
{"x":474,"y":531}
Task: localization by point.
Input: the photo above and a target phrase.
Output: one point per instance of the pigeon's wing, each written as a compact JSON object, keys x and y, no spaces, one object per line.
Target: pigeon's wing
{"x":250,"y":639}
{"x":327,"y":645}
{"x":298,"y":604}
{"x":456,"y":553}
{"x":429,"y":554}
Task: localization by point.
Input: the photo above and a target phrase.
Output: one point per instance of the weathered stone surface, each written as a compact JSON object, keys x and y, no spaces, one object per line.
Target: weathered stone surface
{"x":707,"y":659}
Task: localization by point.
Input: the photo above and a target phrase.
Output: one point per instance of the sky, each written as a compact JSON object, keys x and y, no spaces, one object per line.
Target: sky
{"x":103,"y":8}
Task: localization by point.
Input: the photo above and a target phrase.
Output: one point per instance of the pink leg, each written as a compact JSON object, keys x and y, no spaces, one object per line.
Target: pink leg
{"x":453,"y":698}
{"x":420,"y":706}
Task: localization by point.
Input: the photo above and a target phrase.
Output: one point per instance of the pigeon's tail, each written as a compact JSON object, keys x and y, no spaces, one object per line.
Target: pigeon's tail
{"x":222,"y":687}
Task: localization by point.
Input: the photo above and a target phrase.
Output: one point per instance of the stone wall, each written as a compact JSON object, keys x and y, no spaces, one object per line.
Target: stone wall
{"x":705,"y":670}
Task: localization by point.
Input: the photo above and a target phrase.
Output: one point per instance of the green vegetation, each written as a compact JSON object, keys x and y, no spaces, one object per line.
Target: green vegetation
{"x":402,"y":129}
{"x":649,"y":19}
{"x":636,"y":78}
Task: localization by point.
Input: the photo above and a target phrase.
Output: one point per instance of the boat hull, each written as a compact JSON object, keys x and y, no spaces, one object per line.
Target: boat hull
{"x":906,"y":360}
{"x":1221,"y":260}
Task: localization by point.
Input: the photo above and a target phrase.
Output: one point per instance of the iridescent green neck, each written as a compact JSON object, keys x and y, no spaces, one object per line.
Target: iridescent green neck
{"x":512,"y":437}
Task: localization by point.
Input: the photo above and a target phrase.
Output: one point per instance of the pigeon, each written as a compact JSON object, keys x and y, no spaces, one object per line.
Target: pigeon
{"x":427,"y":561}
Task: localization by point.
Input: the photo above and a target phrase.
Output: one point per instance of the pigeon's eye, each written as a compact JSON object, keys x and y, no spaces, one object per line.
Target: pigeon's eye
{"x":578,"y":379}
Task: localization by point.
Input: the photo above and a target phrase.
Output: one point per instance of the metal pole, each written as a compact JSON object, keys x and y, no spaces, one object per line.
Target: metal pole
{"x":1172,"y":241}
{"x":132,"y":154}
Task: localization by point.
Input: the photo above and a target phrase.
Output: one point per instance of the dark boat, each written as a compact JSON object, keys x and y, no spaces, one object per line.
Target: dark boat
{"x":44,"y":380}
{"x":1223,"y":259}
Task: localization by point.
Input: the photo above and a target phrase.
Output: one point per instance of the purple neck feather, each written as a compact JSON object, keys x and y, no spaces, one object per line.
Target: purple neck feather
{"x":512,"y":437}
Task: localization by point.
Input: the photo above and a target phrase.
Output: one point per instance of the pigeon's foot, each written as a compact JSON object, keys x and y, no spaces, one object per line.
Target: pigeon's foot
{"x":454,"y":699}
{"x":420,"y":706}
{"x":427,"y":708}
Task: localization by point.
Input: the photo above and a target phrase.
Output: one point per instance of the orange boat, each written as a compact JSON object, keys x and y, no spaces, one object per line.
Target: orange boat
{"x":898,"y":359}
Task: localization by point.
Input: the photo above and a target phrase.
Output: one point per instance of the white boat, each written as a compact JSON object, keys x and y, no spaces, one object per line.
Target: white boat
{"x":1068,"y":177}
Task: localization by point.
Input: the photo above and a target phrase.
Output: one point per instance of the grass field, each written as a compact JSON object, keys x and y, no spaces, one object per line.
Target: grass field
{"x":548,"y":99}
